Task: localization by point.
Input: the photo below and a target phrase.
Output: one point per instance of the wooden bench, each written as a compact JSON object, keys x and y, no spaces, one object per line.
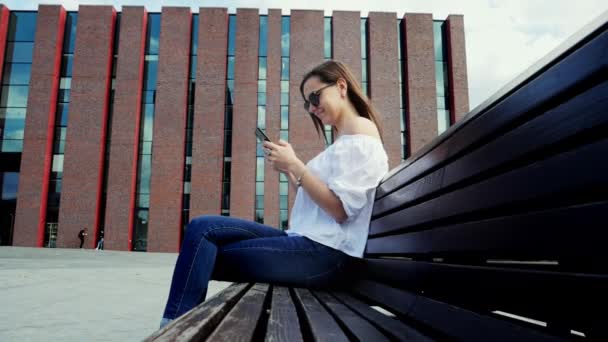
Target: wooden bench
{"x":495,"y":231}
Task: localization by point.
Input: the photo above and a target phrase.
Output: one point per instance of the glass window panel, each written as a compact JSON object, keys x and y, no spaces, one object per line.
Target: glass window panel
{"x":261,"y":99}
{"x":262,"y":68}
{"x":230,"y":68}
{"x":283,"y":188}
{"x":261,"y":86}
{"x":284,"y":135}
{"x":14,"y":122}
{"x":439,"y":79}
{"x":187,"y":188}
{"x":284,"y":99}
{"x":193,"y":67}
{"x":194,"y":42}
{"x":65,"y":83}
{"x":227,"y":143}
{"x":282,"y":177}
{"x":63,"y":95}
{"x":364,"y":70}
{"x":150,"y":74}
{"x":61,"y":117}
{"x":57,"y":163}
{"x":259,"y":173}
{"x":16,"y":74}
{"x":400,"y":95}
{"x":144,"y":173}
{"x":284,"y":117}
{"x":262,"y":117}
{"x":22,"y":26}
{"x":231,"y":34}
{"x":283,"y":202}
{"x":327,"y":37}
{"x":263,"y":47}
{"x":145,"y":147}
{"x":363,"y":38}
{"x":285,"y":23}
{"x":148,"y":96}
{"x":438,"y":40}
{"x":70,"y":32}
{"x":259,"y":216}
{"x":226,"y":195}
{"x":285,"y":68}
{"x":227,"y":168}
{"x":228,"y":117}
{"x":284,"y":86}
{"x":14,"y":96}
{"x":259,"y":202}
{"x":143,"y":200}
{"x":12,"y":145}
{"x":441,"y":102}
{"x":10,"y":183}
{"x":259,"y":149}
{"x":19,"y":52}
{"x":153,"y":33}
{"x":284,"y":219}
{"x":148,"y":122}
{"x":443,"y":120}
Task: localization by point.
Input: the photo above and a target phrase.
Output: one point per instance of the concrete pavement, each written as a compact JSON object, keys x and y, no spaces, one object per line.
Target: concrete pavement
{"x":50,"y":294}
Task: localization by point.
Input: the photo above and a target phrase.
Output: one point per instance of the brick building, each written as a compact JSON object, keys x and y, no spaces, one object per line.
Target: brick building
{"x":135,"y":122}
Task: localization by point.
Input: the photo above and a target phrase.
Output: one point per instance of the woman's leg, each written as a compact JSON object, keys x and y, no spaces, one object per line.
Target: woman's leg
{"x":196,"y":261}
{"x":285,"y":260}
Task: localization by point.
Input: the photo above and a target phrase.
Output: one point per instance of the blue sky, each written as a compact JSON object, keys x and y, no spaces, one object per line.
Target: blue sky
{"x":503,"y":37}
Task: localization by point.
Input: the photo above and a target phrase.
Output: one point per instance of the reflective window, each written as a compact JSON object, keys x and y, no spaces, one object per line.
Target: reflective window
{"x":262,"y":117}
{"x":22,"y":26}
{"x":153,"y":33}
{"x":262,"y":99}
{"x":259,"y":188}
{"x":231,"y":68}
{"x":231,"y":34}
{"x":262,"y":65}
{"x":14,"y":96}
{"x":285,"y":69}
{"x":327,"y":37}
{"x":284,"y":117}
{"x":285,"y":29}
{"x":263,"y":47}
{"x":10,"y":183}
{"x":150,"y":74}
{"x":259,"y":169}
{"x":194,"y":41}
{"x":261,"y":86}
{"x":13,"y":120}
{"x":16,"y":74}
{"x":69,"y":38}
{"x":283,"y":202}
{"x":19,"y":52}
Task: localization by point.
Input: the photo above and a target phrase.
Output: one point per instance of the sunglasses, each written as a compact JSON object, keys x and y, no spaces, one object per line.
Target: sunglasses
{"x":315,"y":97}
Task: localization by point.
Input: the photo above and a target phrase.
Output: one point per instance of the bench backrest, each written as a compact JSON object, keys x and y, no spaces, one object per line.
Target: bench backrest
{"x":506,"y":213}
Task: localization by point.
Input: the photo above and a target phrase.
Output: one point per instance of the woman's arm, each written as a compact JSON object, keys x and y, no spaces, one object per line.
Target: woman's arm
{"x":318,"y":191}
{"x":292,"y":181}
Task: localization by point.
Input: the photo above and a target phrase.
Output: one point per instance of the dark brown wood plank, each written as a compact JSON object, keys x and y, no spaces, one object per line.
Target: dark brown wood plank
{"x":576,"y":116}
{"x":449,"y":320}
{"x":283,"y":324}
{"x":578,"y":171}
{"x":361,"y":329}
{"x":199,"y":322}
{"x":530,"y":293}
{"x":322,"y":325}
{"x":241,"y":321}
{"x":541,"y":235}
{"x":565,"y":72}
{"x":388,"y":325}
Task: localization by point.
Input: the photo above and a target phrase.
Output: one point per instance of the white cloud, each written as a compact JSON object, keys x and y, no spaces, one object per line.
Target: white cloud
{"x":503,"y":37}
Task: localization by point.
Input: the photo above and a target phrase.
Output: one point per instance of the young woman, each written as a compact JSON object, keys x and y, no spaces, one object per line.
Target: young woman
{"x":330,"y":216}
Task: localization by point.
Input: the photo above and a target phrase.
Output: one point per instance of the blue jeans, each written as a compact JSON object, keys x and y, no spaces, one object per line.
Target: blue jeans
{"x":232,"y":249}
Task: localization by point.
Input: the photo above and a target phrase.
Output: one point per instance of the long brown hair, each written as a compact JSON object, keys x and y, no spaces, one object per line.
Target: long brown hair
{"x":329,"y":72}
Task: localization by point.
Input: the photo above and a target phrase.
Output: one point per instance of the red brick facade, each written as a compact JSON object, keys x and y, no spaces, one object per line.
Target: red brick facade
{"x":85,"y":144}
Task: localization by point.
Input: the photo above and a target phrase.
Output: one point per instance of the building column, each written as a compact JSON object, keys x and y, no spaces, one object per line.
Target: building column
{"x":457,"y":68}
{"x":88,"y":116}
{"x":306,"y":52}
{"x":209,"y":108}
{"x":384,"y":80}
{"x":169,"y":137}
{"x":421,"y":94}
{"x":37,"y":152}
{"x":346,"y":40}
{"x":124,"y":140}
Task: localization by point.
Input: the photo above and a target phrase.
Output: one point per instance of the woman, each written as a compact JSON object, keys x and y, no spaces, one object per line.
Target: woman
{"x":330,"y":216}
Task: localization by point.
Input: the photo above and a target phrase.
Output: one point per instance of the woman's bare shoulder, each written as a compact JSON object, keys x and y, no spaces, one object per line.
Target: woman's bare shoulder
{"x":366,"y":126}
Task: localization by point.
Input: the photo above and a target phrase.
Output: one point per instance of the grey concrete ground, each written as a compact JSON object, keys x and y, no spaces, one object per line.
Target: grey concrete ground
{"x":83,"y":295}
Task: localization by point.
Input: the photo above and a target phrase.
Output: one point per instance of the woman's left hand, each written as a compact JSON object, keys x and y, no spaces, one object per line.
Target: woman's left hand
{"x":281,"y":155}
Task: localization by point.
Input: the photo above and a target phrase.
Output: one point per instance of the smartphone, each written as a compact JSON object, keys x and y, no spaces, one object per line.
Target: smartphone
{"x":261,"y":135}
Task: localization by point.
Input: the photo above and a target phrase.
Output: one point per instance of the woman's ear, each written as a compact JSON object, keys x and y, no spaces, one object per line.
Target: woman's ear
{"x":342,"y":87}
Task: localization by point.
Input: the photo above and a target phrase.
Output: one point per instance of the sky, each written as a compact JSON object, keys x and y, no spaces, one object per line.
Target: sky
{"x":503,"y":37}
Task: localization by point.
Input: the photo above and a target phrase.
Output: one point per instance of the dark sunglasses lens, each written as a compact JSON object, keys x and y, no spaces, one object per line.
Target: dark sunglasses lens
{"x":314,"y":99}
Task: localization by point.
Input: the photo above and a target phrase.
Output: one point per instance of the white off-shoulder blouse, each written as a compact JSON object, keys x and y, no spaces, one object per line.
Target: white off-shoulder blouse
{"x":352,"y":167}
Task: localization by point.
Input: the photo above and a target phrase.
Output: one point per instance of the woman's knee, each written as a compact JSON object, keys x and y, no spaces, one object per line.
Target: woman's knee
{"x":200,"y":225}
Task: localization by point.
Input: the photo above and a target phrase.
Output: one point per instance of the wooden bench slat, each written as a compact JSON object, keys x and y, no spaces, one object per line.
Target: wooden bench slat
{"x":322,"y":325}
{"x":552,"y":127}
{"x":542,"y":235}
{"x":451,"y":321}
{"x":199,"y":322}
{"x":388,"y":325}
{"x":559,"y":75}
{"x":242,"y":320}
{"x":539,"y":295}
{"x":283,"y":324}
{"x":542,"y":181}
{"x":357,"y":325}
